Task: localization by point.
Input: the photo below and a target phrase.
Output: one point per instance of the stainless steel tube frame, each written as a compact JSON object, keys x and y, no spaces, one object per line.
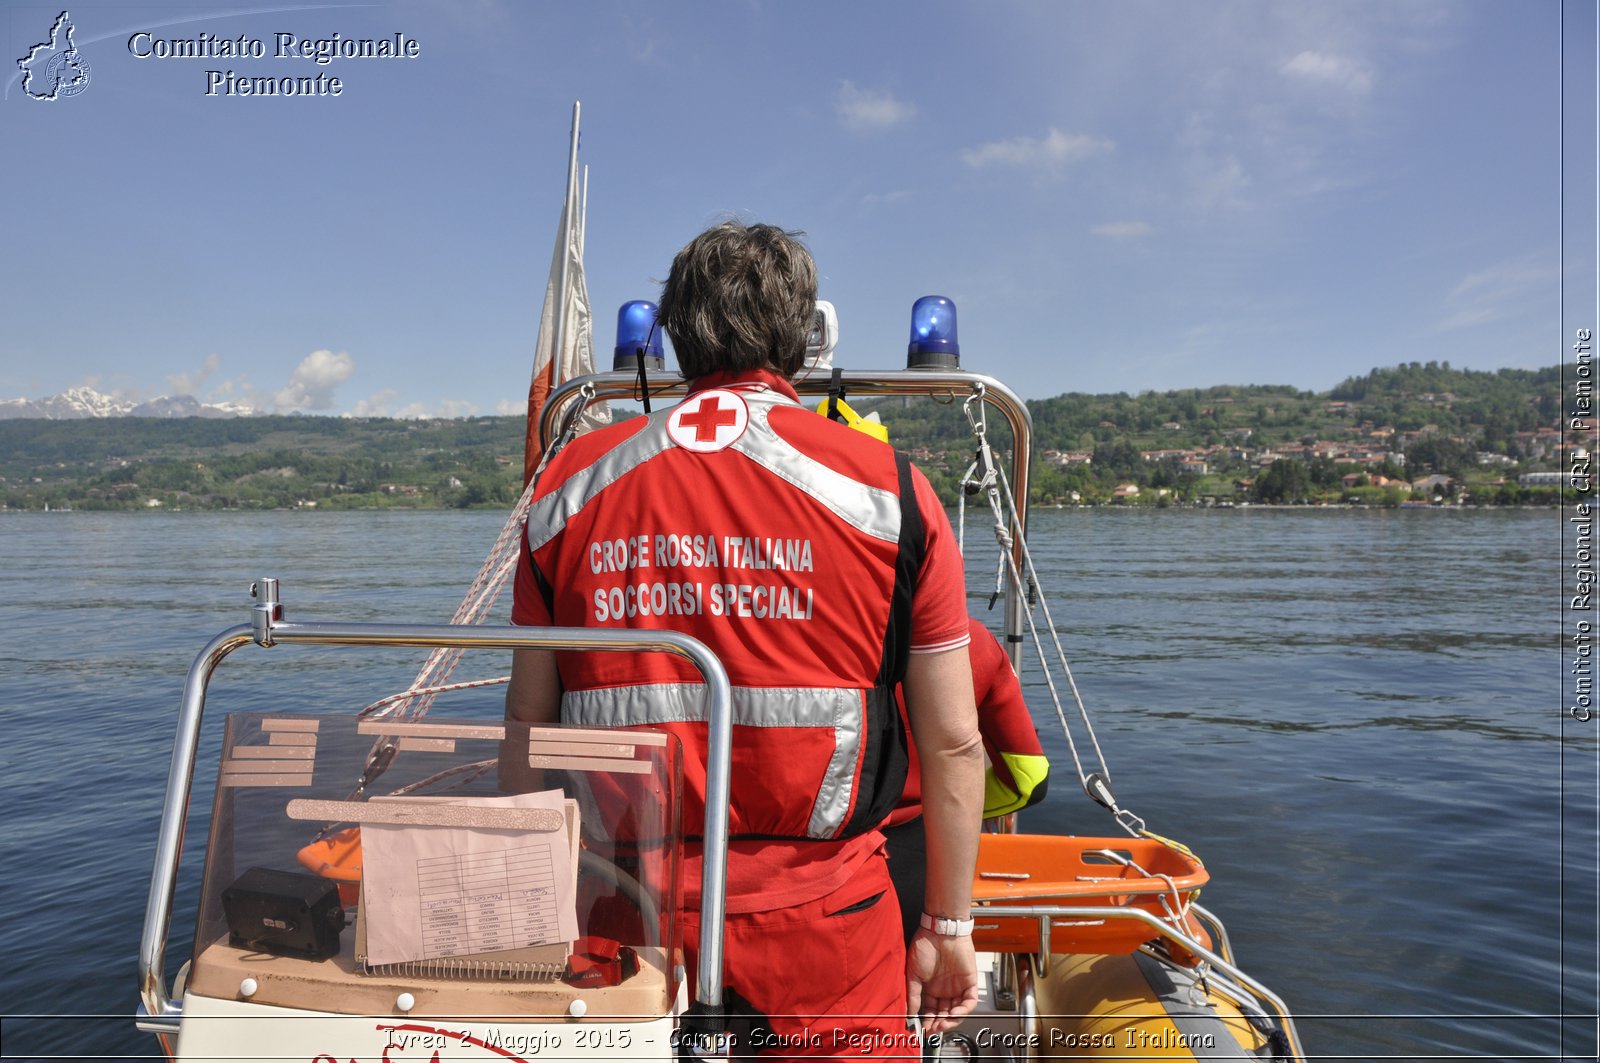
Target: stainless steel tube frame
{"x":1224,"y":945}
{"x":1045,"y":913}
{"x":157,"y":1012}
{"x":953,"y":385}
{"x":160,"y":1014}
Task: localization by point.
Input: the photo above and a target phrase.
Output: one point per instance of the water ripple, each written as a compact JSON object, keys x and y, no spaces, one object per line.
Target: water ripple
{"x":1353,"y":717}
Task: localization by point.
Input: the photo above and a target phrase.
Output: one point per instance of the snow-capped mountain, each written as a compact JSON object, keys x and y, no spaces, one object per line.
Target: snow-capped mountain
{"x":188,"y":406}
{"x":82,"y":402}
{"x":70,"y":404}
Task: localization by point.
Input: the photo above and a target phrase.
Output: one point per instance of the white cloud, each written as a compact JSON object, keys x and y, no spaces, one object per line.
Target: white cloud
{"x":641,"y":38}
{"x":1503,"y":290}
{"x":1054,"y":149}
{"x":870,"y":110}
{"x":191,"y":383}
{"x":873,"y":199}
{"x":314,"y":381}
{"x":1123,"y":230}
{"x":239,"y":390}
{"x":511,"y":407}
{"x":443,"y":408}
{"x":376,"y":404}
{"x":1219,"y":182}
{"x":1334,"y":71}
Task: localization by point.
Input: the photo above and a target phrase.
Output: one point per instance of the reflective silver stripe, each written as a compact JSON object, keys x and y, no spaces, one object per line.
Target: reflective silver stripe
{"x":837,"y":709}
{"x":839,"y":784}
{"x":550,"y":514}
{"x":872,"y":510}
{"x":658,"y":703}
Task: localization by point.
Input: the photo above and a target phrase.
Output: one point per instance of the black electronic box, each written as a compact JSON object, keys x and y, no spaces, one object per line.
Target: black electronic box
{"x":286,"y":913}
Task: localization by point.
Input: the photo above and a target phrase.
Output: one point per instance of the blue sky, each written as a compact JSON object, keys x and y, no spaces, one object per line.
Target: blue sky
{"x":1119,"y":196}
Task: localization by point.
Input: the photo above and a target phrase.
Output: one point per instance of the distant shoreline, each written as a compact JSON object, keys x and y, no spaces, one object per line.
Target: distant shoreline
{"x":1033,"y":510}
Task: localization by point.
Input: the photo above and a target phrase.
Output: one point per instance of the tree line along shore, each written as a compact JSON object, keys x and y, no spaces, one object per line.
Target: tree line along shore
{"x":1417,"y":433}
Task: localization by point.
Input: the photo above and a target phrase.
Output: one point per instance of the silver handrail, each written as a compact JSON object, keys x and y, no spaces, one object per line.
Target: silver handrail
{"x":160,"y":1014}
{"x":157,"y":1012}
{"x":954,"y":386}
{"x":1214,"y":924}
{"x":1043,"y":914}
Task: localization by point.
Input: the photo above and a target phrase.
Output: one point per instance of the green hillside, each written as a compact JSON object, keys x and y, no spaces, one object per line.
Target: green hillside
{"x":1369,"y":439}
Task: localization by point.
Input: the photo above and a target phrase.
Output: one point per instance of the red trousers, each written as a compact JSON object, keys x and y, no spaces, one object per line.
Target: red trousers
{"x":829,"y":975}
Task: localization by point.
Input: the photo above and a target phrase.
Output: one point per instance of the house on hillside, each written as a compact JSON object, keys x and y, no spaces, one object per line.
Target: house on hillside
{"x":1372,"y":479}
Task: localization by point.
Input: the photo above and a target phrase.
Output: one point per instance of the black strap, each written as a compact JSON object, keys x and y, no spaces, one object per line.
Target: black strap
{"x":907,"y":567}
{"x":644,"y":383}
{"x":836,"y":395}
{"x":735,"y":1017}
{"x":885,"y":757}
{"x":547,"y":592}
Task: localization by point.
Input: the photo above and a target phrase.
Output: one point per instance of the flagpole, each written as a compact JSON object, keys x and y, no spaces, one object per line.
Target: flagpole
{"x":583,"y":214}
{"x":553,"y":325}
{"x":569,"y":216}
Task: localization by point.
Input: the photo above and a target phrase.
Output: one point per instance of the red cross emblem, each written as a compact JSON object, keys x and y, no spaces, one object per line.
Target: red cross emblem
{"x":708,"y":421}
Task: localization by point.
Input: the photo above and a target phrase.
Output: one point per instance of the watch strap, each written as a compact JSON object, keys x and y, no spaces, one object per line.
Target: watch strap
{"x":947,"y":927}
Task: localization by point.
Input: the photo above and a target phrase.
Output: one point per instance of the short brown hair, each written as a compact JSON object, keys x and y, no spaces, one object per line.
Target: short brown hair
{"x":740,"y":297}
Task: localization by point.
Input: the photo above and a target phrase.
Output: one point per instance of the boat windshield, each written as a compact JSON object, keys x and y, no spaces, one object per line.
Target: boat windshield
{"x":543,"y":861}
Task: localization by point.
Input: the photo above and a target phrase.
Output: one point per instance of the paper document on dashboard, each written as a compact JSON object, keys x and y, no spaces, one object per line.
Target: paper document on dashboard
{"x":430,"y":892}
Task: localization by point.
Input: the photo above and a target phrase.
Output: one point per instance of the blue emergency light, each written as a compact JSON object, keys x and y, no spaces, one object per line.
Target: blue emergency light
{"x":933,"y":335}
{"x":636,"y":328}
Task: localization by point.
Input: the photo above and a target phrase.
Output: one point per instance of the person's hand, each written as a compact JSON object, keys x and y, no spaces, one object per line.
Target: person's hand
{"x":941,"y":979}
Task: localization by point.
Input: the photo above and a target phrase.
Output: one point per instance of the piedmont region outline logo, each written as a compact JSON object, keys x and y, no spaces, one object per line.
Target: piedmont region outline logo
{"x":57,"y":63}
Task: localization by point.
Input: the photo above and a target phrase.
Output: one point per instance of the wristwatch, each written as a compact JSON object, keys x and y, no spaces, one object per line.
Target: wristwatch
{"x":949,"y":928}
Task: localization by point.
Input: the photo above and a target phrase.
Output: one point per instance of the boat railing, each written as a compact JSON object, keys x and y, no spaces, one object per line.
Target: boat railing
{"x":1237,"y":985}
{"x":941,"y":385}
{"x":159,"y":1014}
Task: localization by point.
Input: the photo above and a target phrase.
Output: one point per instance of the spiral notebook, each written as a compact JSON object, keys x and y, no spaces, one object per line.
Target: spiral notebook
{"x":441,"y":898}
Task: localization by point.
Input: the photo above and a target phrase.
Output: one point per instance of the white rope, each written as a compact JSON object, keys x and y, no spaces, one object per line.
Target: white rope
{"x":961,"y":511}
{"x":461,"y":773}
{"x":980,"y":476}
{"x":433,"y":678}
{"x":1055,"y":638}
{"x":414,"y":702}
{"x":1002,"y":504}
{"x":1176,"y":918}
{"x":444,"y":688}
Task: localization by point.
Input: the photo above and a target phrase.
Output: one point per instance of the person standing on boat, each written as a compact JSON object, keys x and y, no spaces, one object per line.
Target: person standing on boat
{"x":821,"y":571}
{"x":1016,"y":778}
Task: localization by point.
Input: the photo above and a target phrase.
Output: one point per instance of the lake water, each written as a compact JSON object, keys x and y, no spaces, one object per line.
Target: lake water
{"x":1355,"y":718}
